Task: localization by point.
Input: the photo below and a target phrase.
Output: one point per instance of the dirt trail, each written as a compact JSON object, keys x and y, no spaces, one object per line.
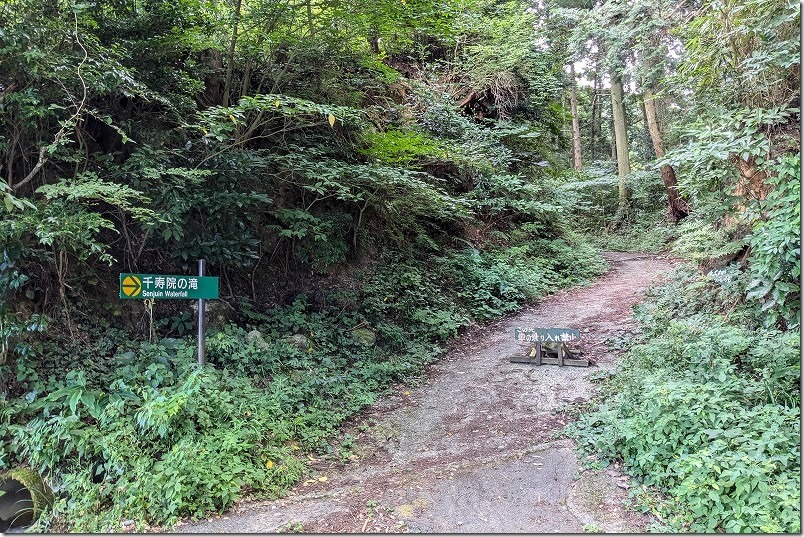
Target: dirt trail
{"x":472,"y":448}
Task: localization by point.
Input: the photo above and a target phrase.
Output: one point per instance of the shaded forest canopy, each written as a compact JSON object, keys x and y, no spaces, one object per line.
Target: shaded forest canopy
{"x":368,"y":179}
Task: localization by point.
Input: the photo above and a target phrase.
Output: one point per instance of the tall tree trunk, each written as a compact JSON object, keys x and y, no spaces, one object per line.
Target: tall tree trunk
{"x":647,"y":146}
{"x":245,"y":88}
{"x":227,"y":86}
{"x":613,"y":140}
{"x":594,"y":120}
{"x":310,"y":25}
{"x":678,"y":206}
{"x":576,"y":128}
{"x":621,"y":138}
{"x":213,"y":82}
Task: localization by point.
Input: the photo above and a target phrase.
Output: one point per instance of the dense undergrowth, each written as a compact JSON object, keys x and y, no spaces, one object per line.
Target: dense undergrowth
{"x":645,"y":227}
{"x":705,"y":408}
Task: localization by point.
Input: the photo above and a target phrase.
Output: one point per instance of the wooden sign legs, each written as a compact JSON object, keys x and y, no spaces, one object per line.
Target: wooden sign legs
{"x":545,"y":354}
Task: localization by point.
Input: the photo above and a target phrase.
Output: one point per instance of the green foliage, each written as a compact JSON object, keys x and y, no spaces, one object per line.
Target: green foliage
{"x":706,"y":409}
{"x":156,"y":147}
{"x":16,"y":328}
{"x":498,"y":195}
{"x":180,"y":323}
{"x":743,"y":52}
{"x":319,"y":241}
{"x":162,"y":440}
{"x":592,"y":196}
{"x":267,"y":115}
{"x":402,"y":147}
{"x":475,"y":285}
{"x":706,"y":159}
{"x":58,"y":226}
{"x":775,"y":264}
{"x":137,"y":431}
{"x":519,"y":79}
{"x":88,"y":186}
{"x":403,"y":199}
{"x":11,"y":202}
{"x":700,"y":240}
{"x":643,"y":233}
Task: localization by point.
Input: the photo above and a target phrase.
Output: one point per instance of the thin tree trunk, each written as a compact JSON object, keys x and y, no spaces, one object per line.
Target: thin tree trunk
{"x":647,"y":147}
{"x":310,"y":18}
{"x":678,"y":206}
{"x":245,"y":88}
{"x":621,"y":152}
{"x":594,"y":120}
{"x":576,"y":128}
{"x":613,"y":140}
{"x":373,"y":40}
{"x":227,"y":86}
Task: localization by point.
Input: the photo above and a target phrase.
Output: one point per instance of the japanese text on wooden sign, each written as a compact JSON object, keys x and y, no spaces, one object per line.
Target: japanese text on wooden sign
{"x":163,"y":286}
{"x":546,"y":335}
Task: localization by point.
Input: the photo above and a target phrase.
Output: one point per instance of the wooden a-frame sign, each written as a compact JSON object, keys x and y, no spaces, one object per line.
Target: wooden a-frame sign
{"x":549,"y":347}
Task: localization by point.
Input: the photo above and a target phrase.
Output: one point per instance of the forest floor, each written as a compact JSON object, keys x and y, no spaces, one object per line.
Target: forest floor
{"x":475,"y":446}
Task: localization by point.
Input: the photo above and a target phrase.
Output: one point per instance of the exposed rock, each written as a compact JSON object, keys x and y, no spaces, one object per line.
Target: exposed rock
{"x":256,"y":337}
{"x":218,"y":312}
{"x":365,"y":336}
{"x":299,"y":340}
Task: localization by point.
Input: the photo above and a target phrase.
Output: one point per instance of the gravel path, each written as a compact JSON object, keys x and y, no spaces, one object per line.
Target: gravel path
{"x":473,"y":448}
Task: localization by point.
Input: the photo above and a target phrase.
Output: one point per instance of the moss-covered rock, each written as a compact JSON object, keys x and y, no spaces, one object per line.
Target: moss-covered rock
{"x":256,"y":337}
{"x":23,"y":497}
{"x":365,"y":336}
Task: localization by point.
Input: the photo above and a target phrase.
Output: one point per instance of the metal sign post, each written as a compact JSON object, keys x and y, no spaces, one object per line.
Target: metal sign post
{"x":202,"y":344}
{"x":152,"y":287}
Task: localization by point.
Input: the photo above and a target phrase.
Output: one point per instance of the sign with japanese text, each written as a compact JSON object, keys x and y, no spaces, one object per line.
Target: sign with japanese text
{"x":163,"y":286}
{"x":546,"y":335}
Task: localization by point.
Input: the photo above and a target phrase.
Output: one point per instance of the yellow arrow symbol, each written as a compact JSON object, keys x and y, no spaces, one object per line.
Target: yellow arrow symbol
{"x":131,"y":286}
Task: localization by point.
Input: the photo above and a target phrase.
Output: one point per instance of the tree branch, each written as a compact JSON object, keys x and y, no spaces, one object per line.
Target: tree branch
{"x":73,"y":119}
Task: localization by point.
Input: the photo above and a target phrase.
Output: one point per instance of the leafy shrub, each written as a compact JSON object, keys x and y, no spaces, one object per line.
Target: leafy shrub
{"x":401,"y":147}
{"x":498,"y":194}
{"x":161,"y":441}
{"x":473,"y":285}
{"x":706,"y":409}
{"x":776,"y":248}
{"x":648,"y":232}
{"x":704,"y":242}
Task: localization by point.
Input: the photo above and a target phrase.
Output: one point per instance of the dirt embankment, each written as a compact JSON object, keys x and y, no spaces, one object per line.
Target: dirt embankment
{"x":473,"y":448}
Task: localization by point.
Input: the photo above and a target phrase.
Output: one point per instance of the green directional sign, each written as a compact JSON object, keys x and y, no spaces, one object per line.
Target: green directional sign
{"x":546,"y":335}
{"x":164,"y":286}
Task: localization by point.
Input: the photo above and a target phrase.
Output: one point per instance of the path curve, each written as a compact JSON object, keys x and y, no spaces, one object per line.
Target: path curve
{"x":472,"y":448}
